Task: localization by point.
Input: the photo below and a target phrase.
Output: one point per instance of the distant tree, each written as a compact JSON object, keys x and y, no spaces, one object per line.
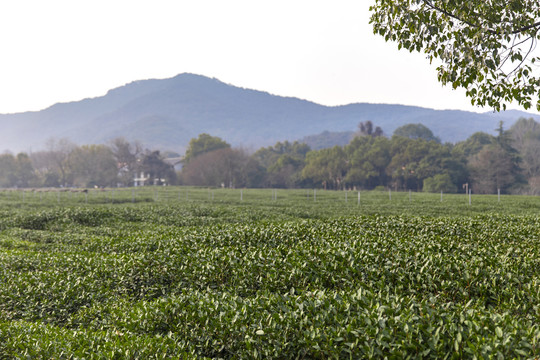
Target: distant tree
{"x":50,"y":179}
{"x":326,"y":167}
{"x":493,"y":168}
{"x":268,"y":156}
{"x":153,"y":165}
{"x":24,"y":172}
{"x":224,"y":167}
{"x":526,"y":139}
{"x":493,"y":162}
{"x":438,"y":183}
{"x":524,"y":130}
{"x":455,"y":166}
{"x":413,"y":161}
{"x":126,"y":155}
{"x":16,"y":171}
{"x":205,"y":170}
{"x":93,"y":165}
{"x":8,"y":169}
{"x":534,"y":186}
{"x":473,"y":144}
{"x":285,"y":172}
{"x":504,"y":139}
{"x":366,"y":129}
{"x":57,"y":154}
{"x":368,"y":159}
{"x":416,"y":131}
{"x":203,"y":144}
{"x":283,"y":163}
{"x":254,"y":173}
{"x":530,"y":161}
{"x":406,"y":156}
{"x":45,"y":169}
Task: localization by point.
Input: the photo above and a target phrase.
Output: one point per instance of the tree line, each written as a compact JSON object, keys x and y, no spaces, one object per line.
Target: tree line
{"x":411,"y":159}
{"x":65,"y":164}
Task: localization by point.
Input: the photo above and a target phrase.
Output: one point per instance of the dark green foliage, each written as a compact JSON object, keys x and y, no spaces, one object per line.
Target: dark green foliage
{"x":439,"y":182}
{"x":369,"y":159}
{"x":414,"y":161}
{"x":366,"y":129}
{"x":326,"y":168}
{"x":473,"y":144}
{"x":159,"y":171}
{"x":416,"y":131}
{"x":282,"y":164}
{"x":204,"y":144}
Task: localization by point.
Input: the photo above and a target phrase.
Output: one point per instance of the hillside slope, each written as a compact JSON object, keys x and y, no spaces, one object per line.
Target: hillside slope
{"x":167,"y":113}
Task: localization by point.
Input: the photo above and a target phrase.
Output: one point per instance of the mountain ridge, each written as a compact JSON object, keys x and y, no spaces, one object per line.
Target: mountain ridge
{"x":167,"y":113}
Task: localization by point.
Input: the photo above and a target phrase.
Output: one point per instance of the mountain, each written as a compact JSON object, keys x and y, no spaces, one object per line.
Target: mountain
{"x":166,"y":114}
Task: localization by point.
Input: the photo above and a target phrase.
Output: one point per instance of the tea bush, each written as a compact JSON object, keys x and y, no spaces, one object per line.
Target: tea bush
{"x":240,"y":280}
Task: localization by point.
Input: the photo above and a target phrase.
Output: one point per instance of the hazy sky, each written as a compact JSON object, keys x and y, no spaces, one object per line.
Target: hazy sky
{"x":323,"y":51}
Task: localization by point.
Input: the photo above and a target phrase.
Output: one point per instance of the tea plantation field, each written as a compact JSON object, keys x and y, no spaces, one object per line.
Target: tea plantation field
{"x":184,"y":273}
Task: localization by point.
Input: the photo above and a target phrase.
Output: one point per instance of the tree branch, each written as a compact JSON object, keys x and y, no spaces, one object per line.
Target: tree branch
{"x":529,"y":27}
{"x":447,"y":13}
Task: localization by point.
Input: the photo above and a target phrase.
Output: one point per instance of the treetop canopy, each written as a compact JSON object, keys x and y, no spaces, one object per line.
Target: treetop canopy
{"x":485,"y":46}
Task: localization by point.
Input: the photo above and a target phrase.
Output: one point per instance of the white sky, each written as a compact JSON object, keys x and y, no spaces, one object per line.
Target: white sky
{"x":324,"y":51}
